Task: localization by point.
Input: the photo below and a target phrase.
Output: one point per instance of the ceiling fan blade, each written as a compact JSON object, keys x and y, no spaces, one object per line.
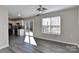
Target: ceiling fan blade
{"x":39,"y":9}
{"x":45,"y":9}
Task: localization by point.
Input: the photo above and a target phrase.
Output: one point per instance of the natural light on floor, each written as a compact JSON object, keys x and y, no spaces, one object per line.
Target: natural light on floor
{"x":30,"y":39}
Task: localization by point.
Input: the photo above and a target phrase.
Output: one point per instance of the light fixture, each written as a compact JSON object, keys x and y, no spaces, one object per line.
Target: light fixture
{"x":19,"y":14}
{"x":40,"y":12}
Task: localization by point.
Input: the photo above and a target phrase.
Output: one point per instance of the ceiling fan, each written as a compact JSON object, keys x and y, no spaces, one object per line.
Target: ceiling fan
{"x":41,"y":9}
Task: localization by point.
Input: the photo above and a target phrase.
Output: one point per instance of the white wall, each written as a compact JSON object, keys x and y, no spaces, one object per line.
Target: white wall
{"x":78,"y":25}
{"x":3,"y":27}
{"x":69,"y":26}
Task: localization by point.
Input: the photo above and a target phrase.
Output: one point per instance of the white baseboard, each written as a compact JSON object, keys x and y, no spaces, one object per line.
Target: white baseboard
{"x":4,"y":46}
{"x":60,"y":41}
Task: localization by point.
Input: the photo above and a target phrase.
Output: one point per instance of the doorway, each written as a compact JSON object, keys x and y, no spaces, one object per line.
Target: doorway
{"x":10,"y":29}
{"x":29,"y":38}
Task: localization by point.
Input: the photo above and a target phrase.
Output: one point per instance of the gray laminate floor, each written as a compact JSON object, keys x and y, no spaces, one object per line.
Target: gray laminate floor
{"x":47,"y":46}
{"x":17,"y":45}
{"x":6,"y":50}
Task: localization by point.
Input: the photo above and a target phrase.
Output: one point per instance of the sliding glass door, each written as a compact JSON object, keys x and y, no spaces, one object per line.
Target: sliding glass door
{"x":29,"y":32}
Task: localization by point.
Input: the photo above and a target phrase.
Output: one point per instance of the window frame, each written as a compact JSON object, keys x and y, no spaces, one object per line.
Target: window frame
{"x":52,"y":26}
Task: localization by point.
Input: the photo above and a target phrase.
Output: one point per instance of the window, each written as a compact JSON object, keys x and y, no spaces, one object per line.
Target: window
{"x":51,"y":25}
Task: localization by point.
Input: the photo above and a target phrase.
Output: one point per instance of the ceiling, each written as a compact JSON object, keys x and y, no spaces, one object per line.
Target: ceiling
{"x":30,"y":10}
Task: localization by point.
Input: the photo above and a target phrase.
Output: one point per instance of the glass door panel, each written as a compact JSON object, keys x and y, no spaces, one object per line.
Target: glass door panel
{"x":29,"y":33}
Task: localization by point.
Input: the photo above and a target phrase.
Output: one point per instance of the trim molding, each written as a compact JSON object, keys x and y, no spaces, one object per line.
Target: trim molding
{"x":59,"y":41}
{"x":4,"y":46}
